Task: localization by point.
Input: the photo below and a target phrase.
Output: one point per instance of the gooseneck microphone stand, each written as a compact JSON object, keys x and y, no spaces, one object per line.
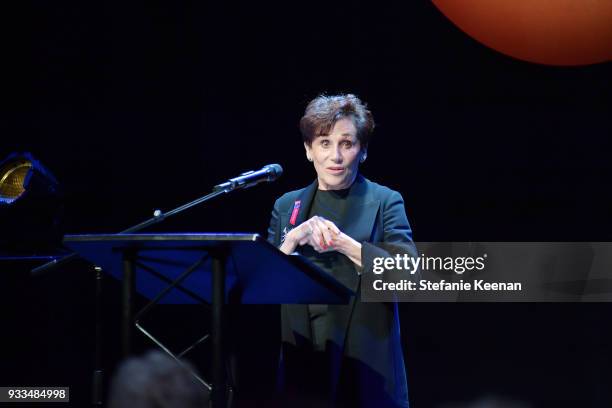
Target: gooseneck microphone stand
{"x":245,"y":180}
{"x":158,"y":217}
{"x":249,"y":179}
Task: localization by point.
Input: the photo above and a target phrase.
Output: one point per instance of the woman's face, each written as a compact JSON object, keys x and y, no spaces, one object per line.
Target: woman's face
{"x":336,"y":156}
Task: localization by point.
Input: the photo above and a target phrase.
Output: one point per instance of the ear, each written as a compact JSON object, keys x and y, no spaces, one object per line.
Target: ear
{"x":364,"y":155}
{"x":308,"y":151}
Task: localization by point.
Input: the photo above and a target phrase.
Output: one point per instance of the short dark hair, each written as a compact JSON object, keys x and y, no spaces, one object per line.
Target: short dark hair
{"x":324,"y":111}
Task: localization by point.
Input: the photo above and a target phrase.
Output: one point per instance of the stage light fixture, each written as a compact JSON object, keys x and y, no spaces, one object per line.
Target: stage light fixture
{"x":13,"y":179}
{"x":30,"y":204}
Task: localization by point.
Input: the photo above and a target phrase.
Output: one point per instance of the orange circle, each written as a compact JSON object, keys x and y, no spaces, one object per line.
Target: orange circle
{"x":555,"y":32}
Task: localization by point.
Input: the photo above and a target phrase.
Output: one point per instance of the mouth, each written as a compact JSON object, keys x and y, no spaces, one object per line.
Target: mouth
{"x":336,"y":170}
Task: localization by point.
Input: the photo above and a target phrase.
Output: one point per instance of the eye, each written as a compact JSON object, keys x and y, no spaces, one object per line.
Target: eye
{"x":324,"y":142}
{"x":347,"y":144}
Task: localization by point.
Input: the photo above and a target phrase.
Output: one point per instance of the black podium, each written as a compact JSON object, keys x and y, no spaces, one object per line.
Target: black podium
{"x":209,"y":268}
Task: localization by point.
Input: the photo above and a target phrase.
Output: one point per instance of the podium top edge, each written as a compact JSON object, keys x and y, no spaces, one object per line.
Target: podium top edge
{"x":163,"y":237}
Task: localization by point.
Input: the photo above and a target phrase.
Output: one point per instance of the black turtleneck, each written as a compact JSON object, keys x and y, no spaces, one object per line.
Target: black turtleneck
{"x":331,"y":205}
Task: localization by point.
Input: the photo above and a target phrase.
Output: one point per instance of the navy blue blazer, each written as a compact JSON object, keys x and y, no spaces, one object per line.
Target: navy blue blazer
{"x":363,"y":338}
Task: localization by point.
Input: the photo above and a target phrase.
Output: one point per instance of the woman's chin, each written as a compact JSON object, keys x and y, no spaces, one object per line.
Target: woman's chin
{"x":334,"y":184}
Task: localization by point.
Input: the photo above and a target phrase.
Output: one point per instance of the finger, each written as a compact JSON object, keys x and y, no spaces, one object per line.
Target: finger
{"x":317,"y":237}
{"x":327,"y":233}
{"x":321,"y":225}
{"x":308,"y":228}
{"x":316,"y":245}
{"x":303,"y":231}
{"x":330,"y":231}
{"x":332,"y":227}
{"x":308,"y":233}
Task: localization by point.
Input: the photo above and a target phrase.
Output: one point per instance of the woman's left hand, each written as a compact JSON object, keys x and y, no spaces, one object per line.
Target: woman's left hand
{"x":343,"y":243}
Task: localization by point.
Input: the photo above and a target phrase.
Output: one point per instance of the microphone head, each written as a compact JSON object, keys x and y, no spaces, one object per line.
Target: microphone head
{"x":274,"y":171}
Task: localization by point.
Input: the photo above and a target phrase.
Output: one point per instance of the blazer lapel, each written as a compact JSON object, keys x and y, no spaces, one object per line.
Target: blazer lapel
{"x":302,"y":202}
{"x":305,"y":198}
{"x":362,"y":211}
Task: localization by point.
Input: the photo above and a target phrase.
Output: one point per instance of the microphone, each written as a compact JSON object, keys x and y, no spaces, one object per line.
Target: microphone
{"x":268,"y":173}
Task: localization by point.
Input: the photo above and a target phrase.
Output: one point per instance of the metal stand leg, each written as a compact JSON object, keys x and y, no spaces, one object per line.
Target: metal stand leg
{"x":218,"y":362}
{"x":127,"y":300}
{"x":220,"y":390}
{"x":173,"y":284}
{"x":98,"y":372}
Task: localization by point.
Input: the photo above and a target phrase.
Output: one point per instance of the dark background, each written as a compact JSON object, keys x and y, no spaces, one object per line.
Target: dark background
{"x":142,"y":105}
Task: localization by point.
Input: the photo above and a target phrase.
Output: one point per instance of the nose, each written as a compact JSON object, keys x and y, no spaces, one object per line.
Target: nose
{"x":337,"y":155}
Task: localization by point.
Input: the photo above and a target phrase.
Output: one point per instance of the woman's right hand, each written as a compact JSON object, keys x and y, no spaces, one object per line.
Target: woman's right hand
{"x":316,"y":232}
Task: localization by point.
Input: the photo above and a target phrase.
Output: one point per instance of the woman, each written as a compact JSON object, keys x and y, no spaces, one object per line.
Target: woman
{"x":348,"y":355}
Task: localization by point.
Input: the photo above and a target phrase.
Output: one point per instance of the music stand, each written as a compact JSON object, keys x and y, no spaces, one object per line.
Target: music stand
{"x":212,"y":268}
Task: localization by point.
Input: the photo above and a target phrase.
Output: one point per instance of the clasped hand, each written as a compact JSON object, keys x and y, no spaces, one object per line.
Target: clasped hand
{"x":323,"y":236}
{"x":317,"y":232}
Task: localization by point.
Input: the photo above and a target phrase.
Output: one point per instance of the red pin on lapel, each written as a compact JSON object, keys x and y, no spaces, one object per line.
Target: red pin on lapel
{"x":296,"y":210}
